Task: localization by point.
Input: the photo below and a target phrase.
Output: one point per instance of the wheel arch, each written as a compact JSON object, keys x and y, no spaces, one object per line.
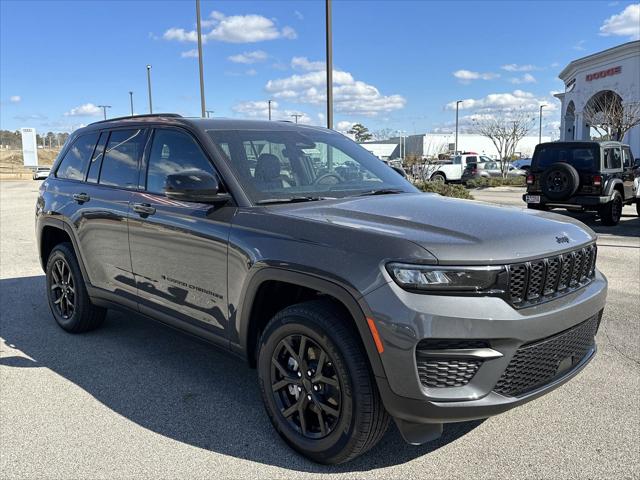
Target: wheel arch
{"x":615,"y":184}
{"x":56,"y":231}
{"x":252,"y":318}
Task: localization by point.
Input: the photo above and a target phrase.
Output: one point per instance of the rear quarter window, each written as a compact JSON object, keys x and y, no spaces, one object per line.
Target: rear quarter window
{"x":74,"y":163}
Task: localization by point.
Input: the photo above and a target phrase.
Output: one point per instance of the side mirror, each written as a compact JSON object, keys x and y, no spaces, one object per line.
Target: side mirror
{"x":194,"y":186}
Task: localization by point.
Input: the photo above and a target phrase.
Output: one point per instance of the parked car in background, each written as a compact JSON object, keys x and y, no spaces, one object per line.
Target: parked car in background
{"x":636,"y":183}
{"x":522,"y":164}
{"x":41,"y":172}
{"x":582,"y":175}
{"x":451,"y":171}
{"x":489,"y":169}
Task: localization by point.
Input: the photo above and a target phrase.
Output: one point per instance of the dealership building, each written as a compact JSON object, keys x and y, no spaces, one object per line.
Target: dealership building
{"x":605,"y":77}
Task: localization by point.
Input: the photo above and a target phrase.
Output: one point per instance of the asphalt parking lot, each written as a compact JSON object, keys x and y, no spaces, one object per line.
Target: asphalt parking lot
{"x":135,"y":399}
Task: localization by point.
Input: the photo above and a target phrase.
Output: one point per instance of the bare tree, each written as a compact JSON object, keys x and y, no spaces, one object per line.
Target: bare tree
{"x":610,"y":118}
{"x":505,"y":134}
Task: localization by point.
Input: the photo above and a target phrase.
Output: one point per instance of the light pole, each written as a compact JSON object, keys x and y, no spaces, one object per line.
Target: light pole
{"x":456,"y":144}
{"x":149,"y":87}
{"x":540,"y":130}
{"x":209,"y":113}
{"x":104,"y":110}
{"x":296,"y":116}
{"x":269,"y":105}
{"x":199,"y":28}
{"x":131,"y":101}
{"x":329,"y":46}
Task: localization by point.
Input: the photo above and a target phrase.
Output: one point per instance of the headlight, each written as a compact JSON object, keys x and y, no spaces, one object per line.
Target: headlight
{"x":443,"y":278}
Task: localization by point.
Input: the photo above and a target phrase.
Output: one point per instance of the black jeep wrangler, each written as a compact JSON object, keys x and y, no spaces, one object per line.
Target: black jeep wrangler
{"x":596,"y":176}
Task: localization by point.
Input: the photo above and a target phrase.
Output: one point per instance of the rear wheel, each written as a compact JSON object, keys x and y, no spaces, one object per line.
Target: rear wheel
{"x":438,"y":177}
{"x":67,"y":294}
{"x":316,"y":384}
{"x":611,"y":211}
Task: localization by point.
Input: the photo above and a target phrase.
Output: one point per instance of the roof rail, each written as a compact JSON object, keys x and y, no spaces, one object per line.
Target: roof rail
{"x":144,"y":115}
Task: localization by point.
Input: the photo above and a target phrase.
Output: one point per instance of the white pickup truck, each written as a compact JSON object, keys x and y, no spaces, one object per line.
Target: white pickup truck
{"x":451,"y":170}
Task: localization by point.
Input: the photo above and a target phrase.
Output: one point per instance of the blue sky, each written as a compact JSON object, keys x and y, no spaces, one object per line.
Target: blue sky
{"x":397,"y":64}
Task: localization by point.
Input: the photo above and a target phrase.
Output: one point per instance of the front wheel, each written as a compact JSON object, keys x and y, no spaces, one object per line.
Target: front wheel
{"x":316,"y":383}
{"x":611,"y":212}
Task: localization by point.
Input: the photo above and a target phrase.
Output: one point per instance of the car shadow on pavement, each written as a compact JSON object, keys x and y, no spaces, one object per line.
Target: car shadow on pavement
{"x":170,"y":383}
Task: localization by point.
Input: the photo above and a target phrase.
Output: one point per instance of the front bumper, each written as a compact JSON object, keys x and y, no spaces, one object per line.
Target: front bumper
{"x":404,"y":318}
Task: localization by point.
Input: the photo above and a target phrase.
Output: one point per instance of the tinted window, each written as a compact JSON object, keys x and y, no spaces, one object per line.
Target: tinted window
{"x":612,"y":158}
{"x":627,"y":160}
{"x":290,"y":163}
{"x":173,"y":151}
{"x":120,"y":164}
{"x":96,"y":159}
{"x":472,"y":159}
{"x":581,"y":157}
{"x":74,"y":163}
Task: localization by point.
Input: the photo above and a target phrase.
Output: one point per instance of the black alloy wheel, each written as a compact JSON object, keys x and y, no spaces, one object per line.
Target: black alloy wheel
{"x":305,"y":386}
{"x":67,"y":294}
{"x":63,"y":289}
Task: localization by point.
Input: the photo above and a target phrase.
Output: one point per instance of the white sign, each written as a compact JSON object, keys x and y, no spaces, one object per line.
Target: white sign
{"x":29,"y":147}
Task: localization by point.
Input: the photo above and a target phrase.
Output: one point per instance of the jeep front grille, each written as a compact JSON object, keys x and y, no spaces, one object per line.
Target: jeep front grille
{"x":541,"y":280}
{"x":537,"y":364}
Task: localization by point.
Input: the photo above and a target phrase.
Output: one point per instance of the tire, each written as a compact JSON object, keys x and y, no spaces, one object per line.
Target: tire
{"x":67,"y":294}
{"x":638,"y":206}
{"x":560,"y":181}
{"x":611,"y":211}
{"x":350,"y":388}
{"x":439,"y":178}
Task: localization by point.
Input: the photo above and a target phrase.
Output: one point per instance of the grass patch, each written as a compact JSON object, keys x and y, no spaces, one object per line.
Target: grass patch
{"x":496,"y":182}
{"x":445,"y":189}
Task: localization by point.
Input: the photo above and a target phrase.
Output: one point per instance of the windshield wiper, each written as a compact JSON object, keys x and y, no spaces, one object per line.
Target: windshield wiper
{"x":382,"y":191}
{"x":268,"y":201}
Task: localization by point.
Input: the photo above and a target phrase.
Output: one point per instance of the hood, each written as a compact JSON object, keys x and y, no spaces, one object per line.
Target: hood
{"x":454,"y":231}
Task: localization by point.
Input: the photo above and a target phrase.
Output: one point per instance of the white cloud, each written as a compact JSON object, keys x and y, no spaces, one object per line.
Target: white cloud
{"x":514,"y":67}
{"x":85,"y":110}
{"x":579,"y":46}
{"x":465,"y":76}
{"x":298,"y":15}
{"x":344,"y":126}
{"x":249,"y":57}
{"x":193,"y":53}
{"x":526,"y":78}
{"x":351,"y":96}
{"x":233,"y":29}
{"x":303,"y":63}
{"x":624,"y":24}
{"x":251,"y":72}
{"x":517,"y":100}
{"x":255,"y":109}
{"x":15,"y":98}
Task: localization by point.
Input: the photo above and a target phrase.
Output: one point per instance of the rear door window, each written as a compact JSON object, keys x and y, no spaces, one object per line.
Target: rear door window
{"x":96,"y":158}
{"x":121,"y":158}
{"x":74,"y":164}
{"x":626,"y":157}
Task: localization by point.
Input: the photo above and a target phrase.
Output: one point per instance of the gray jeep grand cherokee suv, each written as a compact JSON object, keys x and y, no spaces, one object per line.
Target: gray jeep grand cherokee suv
{"x":357,"y":298}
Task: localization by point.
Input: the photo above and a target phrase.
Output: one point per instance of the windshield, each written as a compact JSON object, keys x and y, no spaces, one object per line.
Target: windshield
{"x":291,"y":164}
{"x":581,"y":157}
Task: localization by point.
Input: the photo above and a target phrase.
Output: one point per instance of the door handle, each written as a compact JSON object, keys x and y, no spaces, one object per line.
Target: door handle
{"x":81,"y":197}
{"x":143,"y":208}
